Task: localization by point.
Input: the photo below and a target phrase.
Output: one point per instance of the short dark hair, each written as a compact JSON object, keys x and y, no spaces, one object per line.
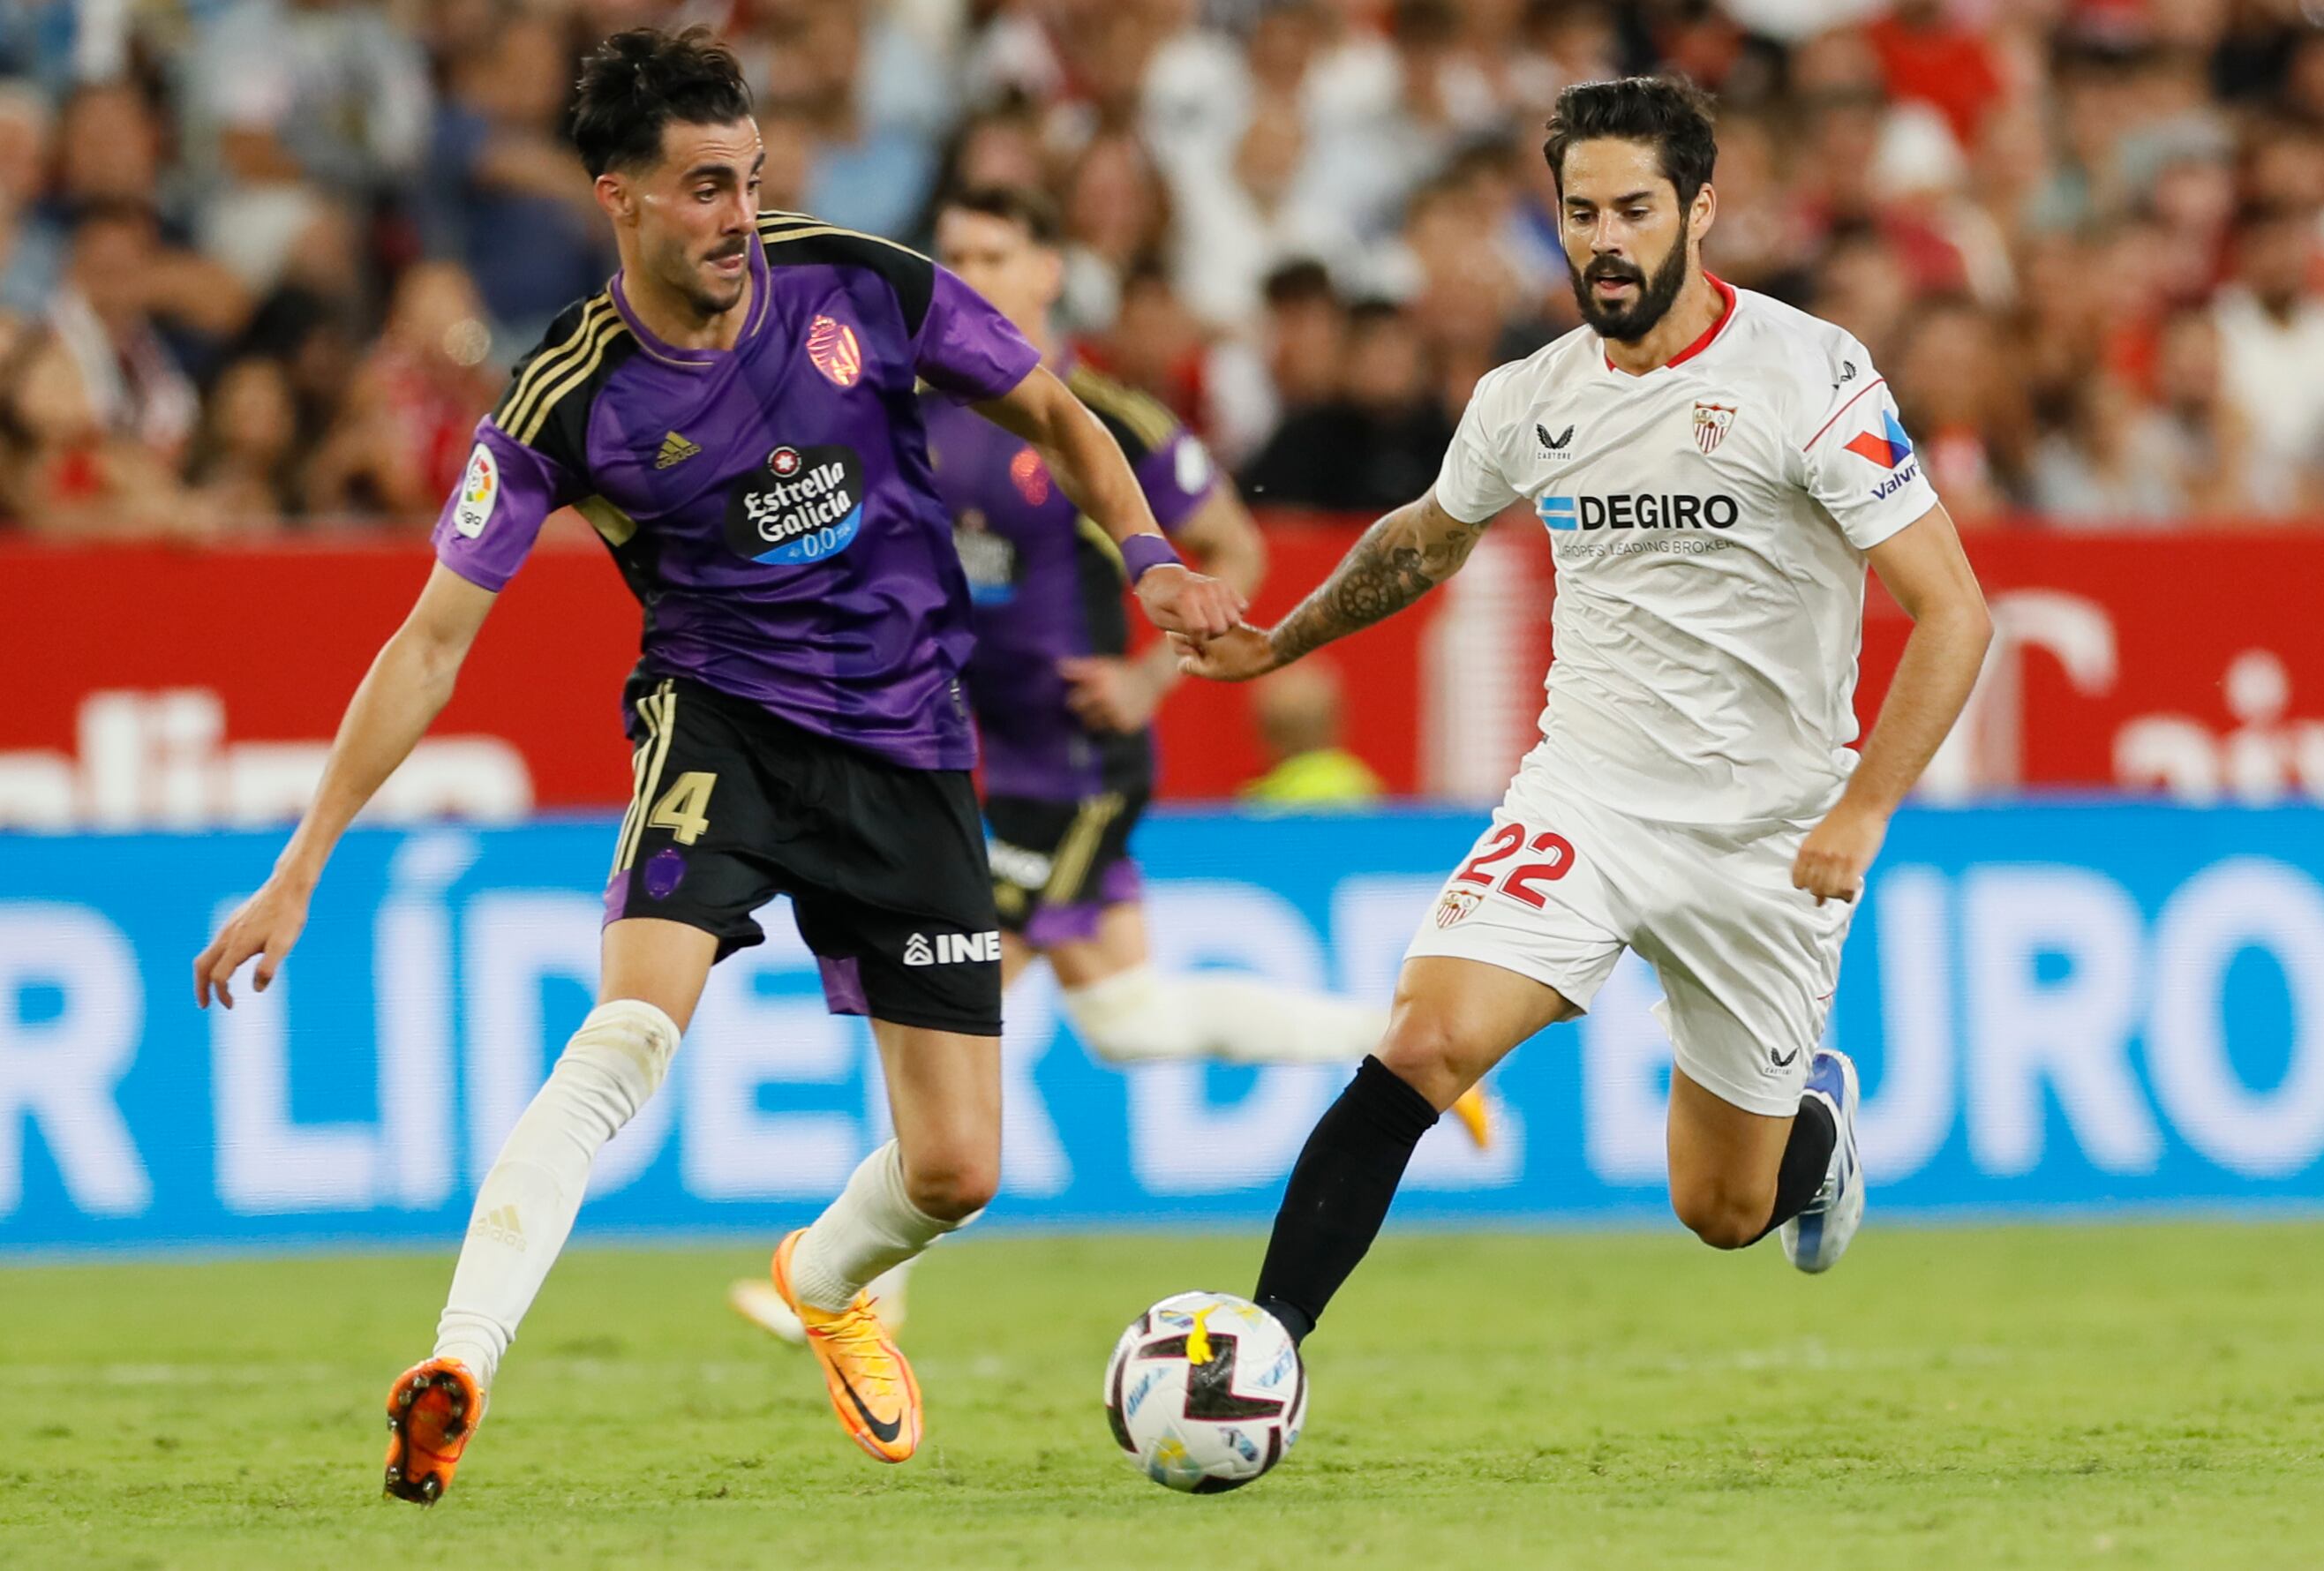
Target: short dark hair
{"x":1302,"y":281}
{"x":637,"y":82}
{"x":1671,"y":113}
{"x":1029,"y":209}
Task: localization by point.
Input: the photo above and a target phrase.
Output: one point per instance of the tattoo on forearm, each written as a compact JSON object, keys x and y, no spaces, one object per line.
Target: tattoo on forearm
{"x":1399,"y":559}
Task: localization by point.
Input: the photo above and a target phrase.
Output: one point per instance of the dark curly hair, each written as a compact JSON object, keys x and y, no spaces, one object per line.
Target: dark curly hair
{"x":1669,"y":112}
{"x":637,"y":82}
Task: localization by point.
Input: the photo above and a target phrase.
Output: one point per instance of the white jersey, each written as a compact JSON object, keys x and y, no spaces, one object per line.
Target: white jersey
{"x":1709,"y":521}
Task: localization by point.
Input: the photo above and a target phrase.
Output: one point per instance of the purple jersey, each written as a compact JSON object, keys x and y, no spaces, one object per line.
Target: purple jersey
{"x":772,"y":506}
{"x":1047,"y":582}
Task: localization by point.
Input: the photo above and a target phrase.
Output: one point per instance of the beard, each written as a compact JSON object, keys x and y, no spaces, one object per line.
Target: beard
{"x":1626,"y":324}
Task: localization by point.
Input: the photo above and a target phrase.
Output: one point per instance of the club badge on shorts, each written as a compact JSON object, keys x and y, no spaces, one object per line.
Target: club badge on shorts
{"x":1456,"y":905}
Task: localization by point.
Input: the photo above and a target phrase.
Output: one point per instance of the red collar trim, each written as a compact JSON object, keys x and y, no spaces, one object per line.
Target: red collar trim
{"x":1709,"y":334}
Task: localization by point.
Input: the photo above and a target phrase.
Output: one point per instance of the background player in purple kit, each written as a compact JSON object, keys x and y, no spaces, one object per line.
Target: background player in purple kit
{"x":1064,"y":709}
{"x":736,"y":414}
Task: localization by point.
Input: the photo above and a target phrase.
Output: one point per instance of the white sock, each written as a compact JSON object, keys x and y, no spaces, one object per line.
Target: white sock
{"x":871,"y":1228}
{"x":525,"y":1210}
{"x":1136,"y":1015}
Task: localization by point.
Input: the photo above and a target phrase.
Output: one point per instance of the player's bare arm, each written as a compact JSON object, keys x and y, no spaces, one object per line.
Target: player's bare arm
{"x":407,"y":687}
{"x":1111,"y":694}
{"x":1090,"y":468}
{"x":1400,"y":558}
{"x":1924,"y":565}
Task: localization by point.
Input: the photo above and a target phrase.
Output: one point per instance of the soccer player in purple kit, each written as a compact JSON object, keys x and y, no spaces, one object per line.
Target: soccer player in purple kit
{"x":735,"y":413}
{"x":1063,"y":709}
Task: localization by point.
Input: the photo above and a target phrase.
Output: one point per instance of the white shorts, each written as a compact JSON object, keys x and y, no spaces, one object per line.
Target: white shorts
{"x":1559,"y":884}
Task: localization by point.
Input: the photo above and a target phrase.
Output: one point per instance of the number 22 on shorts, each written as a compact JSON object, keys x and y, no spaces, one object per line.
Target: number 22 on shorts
{"x":1519,"y":883}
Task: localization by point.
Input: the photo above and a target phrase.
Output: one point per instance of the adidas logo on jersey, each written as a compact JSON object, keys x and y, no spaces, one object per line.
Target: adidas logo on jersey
{"x":502,"y":1226}
{"x":675,"y":449}
{"x":952,"y":948}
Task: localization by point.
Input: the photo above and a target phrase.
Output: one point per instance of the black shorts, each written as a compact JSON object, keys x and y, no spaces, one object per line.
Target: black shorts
{"x":885,"y":866}
{"x":1057,"y":864}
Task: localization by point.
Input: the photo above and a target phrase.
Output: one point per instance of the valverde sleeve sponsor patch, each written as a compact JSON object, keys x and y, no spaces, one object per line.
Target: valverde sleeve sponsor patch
{"x":480,"y":492}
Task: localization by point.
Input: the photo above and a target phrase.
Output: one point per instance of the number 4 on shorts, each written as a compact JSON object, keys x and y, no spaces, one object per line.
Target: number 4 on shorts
{"x":685,"y":808}
{"x":1519,"y":882}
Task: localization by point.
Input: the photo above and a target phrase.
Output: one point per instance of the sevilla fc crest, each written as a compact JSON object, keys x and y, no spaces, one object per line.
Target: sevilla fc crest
{"x":831,"y":345}
{"x":1712,"y":421}
{"x":1455,"y":906}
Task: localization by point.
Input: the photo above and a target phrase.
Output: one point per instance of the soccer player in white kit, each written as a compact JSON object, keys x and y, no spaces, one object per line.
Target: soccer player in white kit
{"x":1715,"y":470}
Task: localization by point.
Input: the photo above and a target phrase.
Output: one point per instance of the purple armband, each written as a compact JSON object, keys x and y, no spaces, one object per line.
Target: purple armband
{"x":1141,"y":553}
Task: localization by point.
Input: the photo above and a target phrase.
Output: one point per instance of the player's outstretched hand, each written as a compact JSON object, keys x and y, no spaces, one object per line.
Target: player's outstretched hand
{"x":1107,"y":693}
{"x":1837,"y":853}
{"x":266,"y":926}
{"x":1234,"y":657}
{"x":1177,"y":599}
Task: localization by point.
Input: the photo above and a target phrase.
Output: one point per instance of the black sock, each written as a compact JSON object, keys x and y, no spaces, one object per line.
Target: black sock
{"x":1338,"y":1194}
{"x":1807,"y":1157}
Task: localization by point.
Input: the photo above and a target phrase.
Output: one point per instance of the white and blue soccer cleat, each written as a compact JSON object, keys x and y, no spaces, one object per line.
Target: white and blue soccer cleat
{"x":1816,"y":1237}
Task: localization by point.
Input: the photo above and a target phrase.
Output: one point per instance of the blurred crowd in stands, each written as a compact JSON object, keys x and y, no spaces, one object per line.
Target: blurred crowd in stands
{"x":264,"y":262}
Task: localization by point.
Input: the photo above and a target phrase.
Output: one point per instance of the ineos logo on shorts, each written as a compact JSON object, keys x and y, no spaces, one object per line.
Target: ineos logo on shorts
{"x":807,"y":504}
{"x":952,"y":948}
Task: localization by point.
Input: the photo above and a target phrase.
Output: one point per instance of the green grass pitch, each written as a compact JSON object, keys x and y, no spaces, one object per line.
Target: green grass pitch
{"x":2115,"y":1396}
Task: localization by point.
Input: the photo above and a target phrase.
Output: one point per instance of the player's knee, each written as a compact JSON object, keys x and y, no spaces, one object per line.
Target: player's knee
{"x":1430,"y":1053}
{"x":953,"y":1186}
{"x":1723,"y":1214}
{"x":630,"y":1042}
{"x":1128,"y":1018}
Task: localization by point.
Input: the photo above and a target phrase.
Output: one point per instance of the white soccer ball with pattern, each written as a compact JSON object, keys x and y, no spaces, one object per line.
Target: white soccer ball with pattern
{"x":1205,"y":1392}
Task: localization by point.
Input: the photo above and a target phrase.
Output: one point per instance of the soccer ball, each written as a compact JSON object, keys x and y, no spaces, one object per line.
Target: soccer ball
{"x":1205,"y":1392}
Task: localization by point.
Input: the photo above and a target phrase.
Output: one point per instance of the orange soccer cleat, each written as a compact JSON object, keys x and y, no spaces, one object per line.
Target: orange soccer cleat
{"x":431,"y":1410}
{"x":870,"y":1384}
{"x":1475,"y":1116}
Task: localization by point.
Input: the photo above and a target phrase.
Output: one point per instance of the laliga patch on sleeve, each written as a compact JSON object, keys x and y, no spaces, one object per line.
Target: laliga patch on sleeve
{"x":480,"y":490}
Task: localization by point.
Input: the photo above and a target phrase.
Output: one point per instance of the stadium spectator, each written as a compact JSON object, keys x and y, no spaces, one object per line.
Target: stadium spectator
{"x":1377,"y":444}
{"x":1863,"y":285}
{"x":1297,"y":713}
{"x":1236,"y":225}
{"x":2106,"y":465}
{"x":31,"y":246}
{"x":1157,"y":346}
{"x":873,"y":99}
{"x":498,"y":167}
{"x":1926,"y":56}
{"x":1965,"y":409}
{"x":67,"y":473}
{"x":1292,"y":364}
{"x":101,"y":316}
{"x":246,"y":456}
{"x":108,"y":149}
{"x":404,"y":433}
{"x":2271,"y":335}
{"x":2221,"y":473}
{"x":2076,"y":178}
{"x":1117,"y":214}
{"x":296,"y":107}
